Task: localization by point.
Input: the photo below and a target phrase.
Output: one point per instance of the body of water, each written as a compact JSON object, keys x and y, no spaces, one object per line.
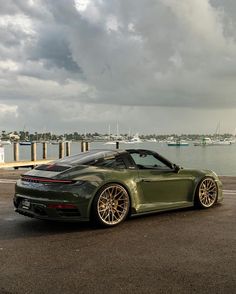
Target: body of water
{"x":221,"y":159}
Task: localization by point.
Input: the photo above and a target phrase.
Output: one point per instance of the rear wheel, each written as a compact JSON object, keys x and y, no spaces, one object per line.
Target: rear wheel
{"x":207,"y":192}
{"x":111,"y":205}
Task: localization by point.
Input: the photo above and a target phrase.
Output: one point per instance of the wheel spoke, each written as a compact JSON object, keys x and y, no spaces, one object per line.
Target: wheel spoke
{"x":118,"y":193}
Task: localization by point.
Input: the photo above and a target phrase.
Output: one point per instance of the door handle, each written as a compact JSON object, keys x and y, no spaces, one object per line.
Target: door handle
{"x":146,"y":180}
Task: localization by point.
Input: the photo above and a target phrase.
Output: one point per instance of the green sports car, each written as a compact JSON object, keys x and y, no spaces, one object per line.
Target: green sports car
{"x":105,"y":186}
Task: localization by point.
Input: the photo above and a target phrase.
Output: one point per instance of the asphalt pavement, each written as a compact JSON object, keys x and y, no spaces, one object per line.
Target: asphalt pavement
{"x":184,"y":251}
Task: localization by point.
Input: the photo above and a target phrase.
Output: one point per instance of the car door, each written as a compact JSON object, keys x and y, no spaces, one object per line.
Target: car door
{"x":162,"y":186}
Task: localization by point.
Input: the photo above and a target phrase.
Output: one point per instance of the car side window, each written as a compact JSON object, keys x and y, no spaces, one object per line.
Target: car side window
{"x":148,"y":161}
{"x":120,"y":163}
{"x":111,"y":163}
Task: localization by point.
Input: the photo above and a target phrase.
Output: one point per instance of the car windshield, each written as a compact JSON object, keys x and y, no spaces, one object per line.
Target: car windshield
{"x":88,"y":158}
{"x":145,"y":159}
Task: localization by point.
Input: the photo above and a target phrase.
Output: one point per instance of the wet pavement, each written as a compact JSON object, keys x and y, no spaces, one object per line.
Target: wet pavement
{"x":185,"y":251}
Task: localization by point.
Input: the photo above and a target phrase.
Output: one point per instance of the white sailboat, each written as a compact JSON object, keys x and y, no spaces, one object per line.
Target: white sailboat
{"x":219,"y":140}
{"x":134,"y":140}
{"x":110,"y":142}
{"x":204,"y":142}
{"x":112,"y":139}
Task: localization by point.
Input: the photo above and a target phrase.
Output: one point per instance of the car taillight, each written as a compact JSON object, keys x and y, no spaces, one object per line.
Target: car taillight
{"x":62,"y":206}
{"x":45,"y":180}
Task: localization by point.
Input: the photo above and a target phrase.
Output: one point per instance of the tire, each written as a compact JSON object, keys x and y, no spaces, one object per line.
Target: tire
{"x":207,"y":193}
{"x":110,"y":206}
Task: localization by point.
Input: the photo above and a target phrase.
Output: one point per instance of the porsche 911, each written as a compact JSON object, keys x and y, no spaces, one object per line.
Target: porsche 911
{"x":107,"y":186}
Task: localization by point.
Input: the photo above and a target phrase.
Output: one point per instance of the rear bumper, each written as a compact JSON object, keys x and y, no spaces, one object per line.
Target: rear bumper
{"x":39,"y":209}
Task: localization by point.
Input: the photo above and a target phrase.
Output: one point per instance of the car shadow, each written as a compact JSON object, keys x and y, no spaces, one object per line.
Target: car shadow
{"x":180,"y":212}
{"x":20,"y":227}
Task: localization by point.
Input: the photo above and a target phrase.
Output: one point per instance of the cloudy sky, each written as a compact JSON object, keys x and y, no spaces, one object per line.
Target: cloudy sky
{"x":153,"y":66}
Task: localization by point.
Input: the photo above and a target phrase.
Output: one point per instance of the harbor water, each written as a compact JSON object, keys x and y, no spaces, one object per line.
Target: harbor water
{"x":221,"y":159}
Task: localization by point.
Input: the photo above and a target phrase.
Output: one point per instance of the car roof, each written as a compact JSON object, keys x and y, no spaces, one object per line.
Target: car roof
{"x":89,"y":156}
{"x":96,"y":154}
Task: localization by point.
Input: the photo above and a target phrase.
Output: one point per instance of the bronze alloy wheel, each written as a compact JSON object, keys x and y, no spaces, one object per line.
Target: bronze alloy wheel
{"x":112,"y":205}
{"x":207,"y":192}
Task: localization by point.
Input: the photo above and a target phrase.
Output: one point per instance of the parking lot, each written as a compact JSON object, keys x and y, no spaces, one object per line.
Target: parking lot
{"x":185,"y":251}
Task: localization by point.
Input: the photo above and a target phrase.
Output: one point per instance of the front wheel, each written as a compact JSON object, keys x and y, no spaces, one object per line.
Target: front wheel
{"x":207,"y":192}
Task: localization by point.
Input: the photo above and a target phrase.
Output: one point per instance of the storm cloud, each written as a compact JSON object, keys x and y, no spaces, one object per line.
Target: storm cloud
{"x":74,"y":64}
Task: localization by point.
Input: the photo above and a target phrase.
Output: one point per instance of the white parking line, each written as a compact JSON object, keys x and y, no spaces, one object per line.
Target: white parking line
{"x":7,"y":181}
{"x":231,"y":192}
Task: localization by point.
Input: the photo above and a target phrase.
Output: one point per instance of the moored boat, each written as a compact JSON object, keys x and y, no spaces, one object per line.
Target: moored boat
{"x":25,"y":143}
{"x":152,"y":140}
{"x":178,"y":143}
{"x":222,"y":142}
{"x":214,"y":142}
{"x":134,"y":140}
{"x":204,"y":142}
{"x":110,"y":143}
